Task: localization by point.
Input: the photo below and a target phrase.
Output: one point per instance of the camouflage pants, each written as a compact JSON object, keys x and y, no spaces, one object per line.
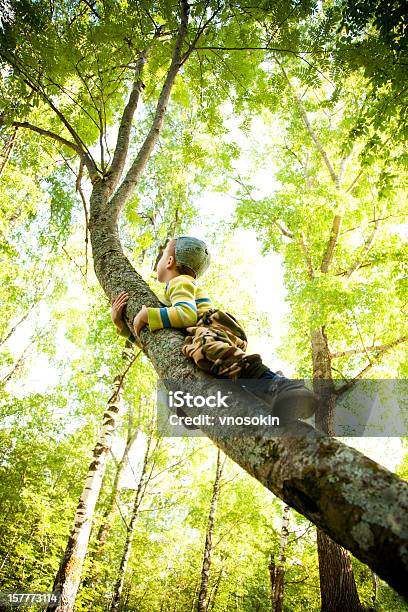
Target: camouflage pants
{"x":217,"y":345}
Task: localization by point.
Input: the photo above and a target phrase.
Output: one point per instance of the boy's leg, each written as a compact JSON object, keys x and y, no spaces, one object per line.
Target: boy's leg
{"x":217,"y":345}
{"x":289,"y":399}
{"x":214,"y":354}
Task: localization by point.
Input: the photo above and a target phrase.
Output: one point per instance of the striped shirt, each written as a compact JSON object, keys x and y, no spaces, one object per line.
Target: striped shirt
{"x":186,"y":302}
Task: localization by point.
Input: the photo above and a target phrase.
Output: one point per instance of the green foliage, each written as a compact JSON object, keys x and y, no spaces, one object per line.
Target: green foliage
{"x":345,"y":63}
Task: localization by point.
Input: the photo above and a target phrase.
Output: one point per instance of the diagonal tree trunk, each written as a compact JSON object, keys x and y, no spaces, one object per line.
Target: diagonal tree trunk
{"x":317,"y":475}
{"x":205,"y":572}
{"x":69,"y":573}
{"x":338,"y":588}
{"x":277,"y":570}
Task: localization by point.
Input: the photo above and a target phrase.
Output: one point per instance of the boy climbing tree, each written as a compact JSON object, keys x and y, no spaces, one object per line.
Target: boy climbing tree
{"x":215,"y":340}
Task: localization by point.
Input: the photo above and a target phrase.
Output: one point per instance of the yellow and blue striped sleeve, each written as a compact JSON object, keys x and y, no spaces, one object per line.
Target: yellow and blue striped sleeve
{"x":183,"y":310}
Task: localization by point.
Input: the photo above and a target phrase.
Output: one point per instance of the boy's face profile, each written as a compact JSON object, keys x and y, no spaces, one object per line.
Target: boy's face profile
{"x":166,"y":262}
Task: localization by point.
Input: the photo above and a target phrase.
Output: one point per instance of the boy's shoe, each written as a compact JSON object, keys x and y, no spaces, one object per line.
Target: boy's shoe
{"x":289,"y":399}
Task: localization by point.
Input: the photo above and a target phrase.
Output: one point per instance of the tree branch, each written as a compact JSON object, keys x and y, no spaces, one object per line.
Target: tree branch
{"x":309,"y":128}
{"x":200,"y":30}
{"x":365,"y":264}
{"x":354,"y":182}
{"x":284,"y":230}
{"x":374,"y":347}
{"x":37,"y":298}
{"x":274,"y":49}
{"x":368,"y":243}
{"x":376,"y":359}
{"x":122,"y":142}
{"x":129,"y":182}
{"x":331,"y":245}
{"x":34,"y":128}
{"x":36,"y":87}
{"x":23,"y":356}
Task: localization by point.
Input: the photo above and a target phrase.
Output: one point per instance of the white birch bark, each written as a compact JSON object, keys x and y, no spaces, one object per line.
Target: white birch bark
{"x":69,"y":573}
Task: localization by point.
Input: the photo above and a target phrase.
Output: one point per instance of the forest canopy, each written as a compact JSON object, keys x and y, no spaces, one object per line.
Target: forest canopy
{"x":276,"y":132}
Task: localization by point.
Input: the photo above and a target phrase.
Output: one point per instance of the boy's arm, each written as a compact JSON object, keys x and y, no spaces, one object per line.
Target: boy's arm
{"x":183,"y":309}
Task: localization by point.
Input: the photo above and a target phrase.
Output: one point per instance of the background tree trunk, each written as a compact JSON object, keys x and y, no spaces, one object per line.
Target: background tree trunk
{"x":112,"y":508}
{"x":205,"y":572}
{"x":337,"y":585}
{"x":338,"y":588}
{"x":375,"y":588}
{"x":69,"y":574}
{"x":277,"y":570}
{"x":140,"y":491}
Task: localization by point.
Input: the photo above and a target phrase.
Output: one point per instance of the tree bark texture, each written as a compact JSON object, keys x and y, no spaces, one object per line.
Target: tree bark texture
{"x":112,"y":509}
{"x":277,"y":570}
{"x":338,"y":589}
{"x":69,"y":574}
{"x":205,"y":572}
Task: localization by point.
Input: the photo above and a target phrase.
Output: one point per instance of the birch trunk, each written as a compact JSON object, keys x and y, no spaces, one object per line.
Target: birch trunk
{"x":112,"y":508}
{"x":338,"y":590}
{"x":277,"y":570}
{"x":375,"y":587}
{"x":69,"y":574}
{"x":130,"y":532}
{"x":205,"y":572}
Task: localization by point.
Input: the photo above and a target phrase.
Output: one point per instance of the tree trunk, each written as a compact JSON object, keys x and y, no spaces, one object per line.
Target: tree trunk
{"x":337,"y":585}
{"x":375,"y":587}
{"x":277,"y":570}
{"x":205,"y":572}
{"x":69,"y":573}
{"x":112,"y":508}
{"x":213,"y":595}
{"x":130,"y":531}
{"x":338,"y":589}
